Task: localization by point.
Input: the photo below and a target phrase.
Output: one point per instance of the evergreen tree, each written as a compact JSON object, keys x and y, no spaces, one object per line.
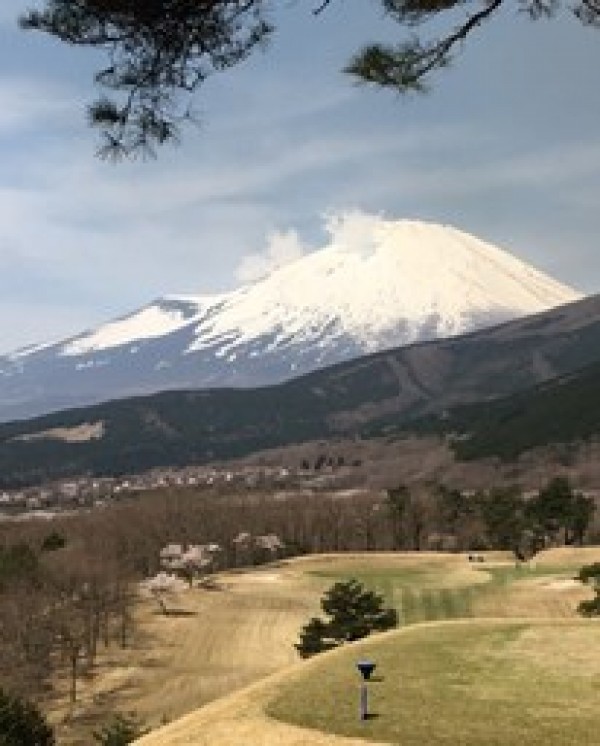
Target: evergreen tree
{"x":354,"y":612}
{"x":503,"y":511}
{"x":53,"y":541}
{"x":558,"y":508}
{"x":22,"y":724}
{"x":590,"y":574}
{"x":315,"y":638}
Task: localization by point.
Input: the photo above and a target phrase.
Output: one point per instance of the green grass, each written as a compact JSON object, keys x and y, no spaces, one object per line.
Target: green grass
{"x":425,"y":592}
{"x":467,"y":684}
{"x":474,"y":682}
{"x":420,"y":593}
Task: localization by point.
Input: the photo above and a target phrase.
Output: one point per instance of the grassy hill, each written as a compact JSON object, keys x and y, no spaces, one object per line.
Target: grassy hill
{"x":221,"y":641}
{"x":491,"y":676}
{"x":441,"y":684}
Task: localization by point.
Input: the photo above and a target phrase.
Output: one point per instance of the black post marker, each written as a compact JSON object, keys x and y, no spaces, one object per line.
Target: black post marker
{"x":366,"y":668}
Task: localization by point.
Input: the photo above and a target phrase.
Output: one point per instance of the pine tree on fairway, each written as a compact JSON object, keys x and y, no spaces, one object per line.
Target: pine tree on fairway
{"x":22,"y":724}
{"x":314,"y":638}
{"x":354,"y":612}
{"x":590,"y":574}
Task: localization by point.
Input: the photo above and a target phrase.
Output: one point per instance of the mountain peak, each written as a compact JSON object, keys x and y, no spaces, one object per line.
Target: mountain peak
{"x":389,"y":282}
{"x":376,"y":284}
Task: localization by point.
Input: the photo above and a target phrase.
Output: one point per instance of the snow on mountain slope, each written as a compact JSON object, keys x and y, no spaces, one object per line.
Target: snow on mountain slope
{"x":163,"y":317}
{"x":374,"y":277}
{"x":401,"y":279}
{"x":378,"y":283}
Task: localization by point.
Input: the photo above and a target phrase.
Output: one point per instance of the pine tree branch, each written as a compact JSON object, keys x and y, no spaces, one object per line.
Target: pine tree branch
{"x":405,"y":67}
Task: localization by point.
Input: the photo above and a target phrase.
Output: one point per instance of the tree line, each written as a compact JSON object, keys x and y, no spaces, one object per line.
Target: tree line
{"x":501,"y":518}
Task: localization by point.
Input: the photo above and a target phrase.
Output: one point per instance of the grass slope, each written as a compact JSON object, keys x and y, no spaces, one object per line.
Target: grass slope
{"x":486,"y":646}
{"x":482,"y":682}
{"x":221,"y":641}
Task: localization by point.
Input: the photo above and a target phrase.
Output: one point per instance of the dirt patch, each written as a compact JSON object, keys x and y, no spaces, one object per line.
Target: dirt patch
{"x":78,"y":434}
{"x":564,"y":584}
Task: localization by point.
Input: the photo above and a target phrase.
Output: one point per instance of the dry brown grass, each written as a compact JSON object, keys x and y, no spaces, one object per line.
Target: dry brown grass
{"x":545,"y":588}
{"x":221,"y":641}
{"x":497,"y":666}
{"x":240,"y":720}
{"x":224,"y":640}
{"x":214,"y":643}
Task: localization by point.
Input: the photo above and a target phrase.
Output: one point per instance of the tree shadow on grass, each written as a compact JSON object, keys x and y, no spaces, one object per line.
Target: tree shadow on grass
{"x":210,"y":585}
{"x":176,"y":613}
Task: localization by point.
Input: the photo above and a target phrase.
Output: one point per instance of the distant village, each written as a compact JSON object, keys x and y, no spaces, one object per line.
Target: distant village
{"x":85,"y":493}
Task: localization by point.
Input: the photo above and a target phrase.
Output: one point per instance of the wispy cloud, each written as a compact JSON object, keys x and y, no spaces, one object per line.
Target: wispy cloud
{"x":283,"y":247}
{"x":548,"y":170}
{"x":177,"y":226}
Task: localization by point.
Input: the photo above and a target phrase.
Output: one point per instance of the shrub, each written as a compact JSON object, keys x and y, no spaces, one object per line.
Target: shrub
{"x":121,"y":730}
{"x":53,"y":541}
{"x":590,"y":608}
{"x":590,"y":572}
{"x":22,"y":724}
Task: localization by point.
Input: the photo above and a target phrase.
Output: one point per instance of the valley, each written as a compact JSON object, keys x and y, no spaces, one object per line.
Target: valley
{"x":165,"y":549}
{"x":299,"y":421}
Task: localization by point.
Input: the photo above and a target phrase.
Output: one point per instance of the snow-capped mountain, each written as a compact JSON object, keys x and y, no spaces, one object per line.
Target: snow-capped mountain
{"x":377,"y":284}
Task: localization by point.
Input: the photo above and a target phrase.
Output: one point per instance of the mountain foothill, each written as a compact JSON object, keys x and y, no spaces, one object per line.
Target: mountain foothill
{"x":422,"y":329}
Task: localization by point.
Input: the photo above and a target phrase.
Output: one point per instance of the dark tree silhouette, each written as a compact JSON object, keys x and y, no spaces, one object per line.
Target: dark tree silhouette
{"x":121,"y":730}
{"x":354,"y":612}
{"x":590,"y":574}
{"x":161,"y":51}
{"x":157,"y":50}
{"x":22,"y":724}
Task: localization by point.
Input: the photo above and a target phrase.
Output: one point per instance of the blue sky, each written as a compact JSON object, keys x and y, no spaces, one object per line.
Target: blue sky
{"x":506,"y":146}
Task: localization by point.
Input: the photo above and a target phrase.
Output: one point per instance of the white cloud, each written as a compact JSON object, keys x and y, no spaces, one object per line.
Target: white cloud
{"x":91,"y":217}
{"x":354,"y":231}
{"x":282,"y":248}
